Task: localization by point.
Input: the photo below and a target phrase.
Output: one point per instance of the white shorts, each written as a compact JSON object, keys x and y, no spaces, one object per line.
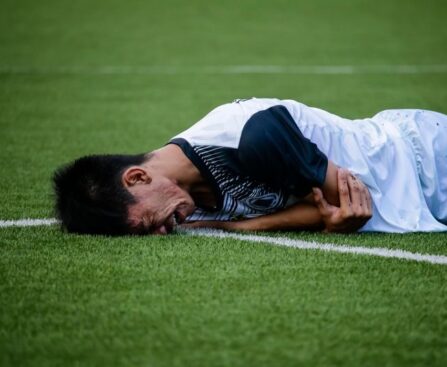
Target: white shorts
{"x":401,"y":156}
{"x":426,"y":132}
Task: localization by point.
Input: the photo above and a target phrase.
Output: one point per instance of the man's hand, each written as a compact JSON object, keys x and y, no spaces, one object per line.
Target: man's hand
{"x":355,"y":205}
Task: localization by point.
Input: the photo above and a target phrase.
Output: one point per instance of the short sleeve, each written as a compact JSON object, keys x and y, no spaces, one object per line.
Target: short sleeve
{"x":272,"y":149}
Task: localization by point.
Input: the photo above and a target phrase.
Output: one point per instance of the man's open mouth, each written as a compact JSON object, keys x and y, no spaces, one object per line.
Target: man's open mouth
{"x":179,"y":217}
{"x":169,"y":225}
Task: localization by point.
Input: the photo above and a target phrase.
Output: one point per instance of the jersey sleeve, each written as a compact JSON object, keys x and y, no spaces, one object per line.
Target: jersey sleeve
{"x":272,"y":149}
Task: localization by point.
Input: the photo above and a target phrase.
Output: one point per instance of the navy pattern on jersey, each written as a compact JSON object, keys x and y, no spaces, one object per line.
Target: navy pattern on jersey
{"x":240,"y":195}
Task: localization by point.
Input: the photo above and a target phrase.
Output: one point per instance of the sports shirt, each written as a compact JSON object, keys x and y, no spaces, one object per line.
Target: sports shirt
{"x":255,"y":158}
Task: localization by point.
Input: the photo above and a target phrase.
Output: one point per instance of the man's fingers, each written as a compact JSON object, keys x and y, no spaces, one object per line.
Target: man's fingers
{"x":355,"y":193}
{"x":320,"y":201}
{"x":365,"y":209}
{"x":360,"y":198}
{"x":368,"y":203}
{"x":367,"y":206}
{"x":343,"y":190}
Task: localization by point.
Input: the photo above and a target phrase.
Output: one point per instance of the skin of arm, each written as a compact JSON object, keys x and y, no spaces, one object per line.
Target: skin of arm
{"x":317,"y":213}
{"x":298,"y":216}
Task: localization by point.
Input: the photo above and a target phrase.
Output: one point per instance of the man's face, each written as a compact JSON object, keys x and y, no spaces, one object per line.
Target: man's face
{"x":159,"y":206}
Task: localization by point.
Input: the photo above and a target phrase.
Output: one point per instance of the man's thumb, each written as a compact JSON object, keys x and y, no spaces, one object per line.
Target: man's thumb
{"x":320,"y":201}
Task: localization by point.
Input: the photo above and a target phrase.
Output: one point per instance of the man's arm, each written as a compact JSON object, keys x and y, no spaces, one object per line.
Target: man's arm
{"x":302,"y":216}
{"x":354,"y":211}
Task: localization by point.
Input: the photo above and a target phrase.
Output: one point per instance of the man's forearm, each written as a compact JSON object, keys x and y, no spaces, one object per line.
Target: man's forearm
{"x":302,"y":216}
{"x":354,"y":211}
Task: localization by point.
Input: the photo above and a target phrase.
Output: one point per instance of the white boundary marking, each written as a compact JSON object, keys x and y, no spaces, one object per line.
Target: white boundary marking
{"x":229,"y":69}
{"x":305,"y":245}
{"x":277,"y":241}
{"x":27,"y":222}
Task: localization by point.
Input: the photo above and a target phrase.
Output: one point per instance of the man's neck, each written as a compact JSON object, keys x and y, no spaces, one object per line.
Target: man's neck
{"x":170,"y":161}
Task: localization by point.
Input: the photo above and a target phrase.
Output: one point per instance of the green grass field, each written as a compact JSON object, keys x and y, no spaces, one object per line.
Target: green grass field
{"x":80,"y":77}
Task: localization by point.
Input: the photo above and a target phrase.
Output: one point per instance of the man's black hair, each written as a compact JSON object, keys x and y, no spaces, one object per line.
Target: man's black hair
{"x":90,"y":196}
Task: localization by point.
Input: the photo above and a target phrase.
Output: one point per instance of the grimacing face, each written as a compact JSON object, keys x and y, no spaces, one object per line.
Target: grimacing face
{"x":160,"y":205}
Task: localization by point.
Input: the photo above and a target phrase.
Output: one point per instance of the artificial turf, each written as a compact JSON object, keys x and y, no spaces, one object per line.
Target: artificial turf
{"x":181,"y":300}
{"x":176,"y":300}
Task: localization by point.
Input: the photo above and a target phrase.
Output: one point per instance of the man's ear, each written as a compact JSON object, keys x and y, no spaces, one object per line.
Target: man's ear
{"x":135,"y":175}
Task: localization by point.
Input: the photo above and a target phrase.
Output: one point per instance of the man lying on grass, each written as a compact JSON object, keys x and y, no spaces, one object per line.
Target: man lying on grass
{"x":268,"y":164}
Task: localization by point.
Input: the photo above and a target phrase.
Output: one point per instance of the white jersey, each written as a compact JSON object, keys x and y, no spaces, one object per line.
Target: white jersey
{"x":261,"y":153}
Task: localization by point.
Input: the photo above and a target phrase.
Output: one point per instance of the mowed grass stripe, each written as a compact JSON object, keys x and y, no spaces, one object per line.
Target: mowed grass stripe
{"x":229,"y":69}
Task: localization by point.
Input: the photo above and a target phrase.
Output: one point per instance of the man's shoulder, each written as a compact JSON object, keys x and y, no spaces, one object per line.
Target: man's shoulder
{"x":224,"y":124}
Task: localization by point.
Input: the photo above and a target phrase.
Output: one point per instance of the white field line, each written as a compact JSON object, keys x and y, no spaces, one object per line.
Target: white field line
{"x":305,"y":245}
{"x":277,"y":241}
{"x":229,"y":69}
{"x":27,"y":222}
